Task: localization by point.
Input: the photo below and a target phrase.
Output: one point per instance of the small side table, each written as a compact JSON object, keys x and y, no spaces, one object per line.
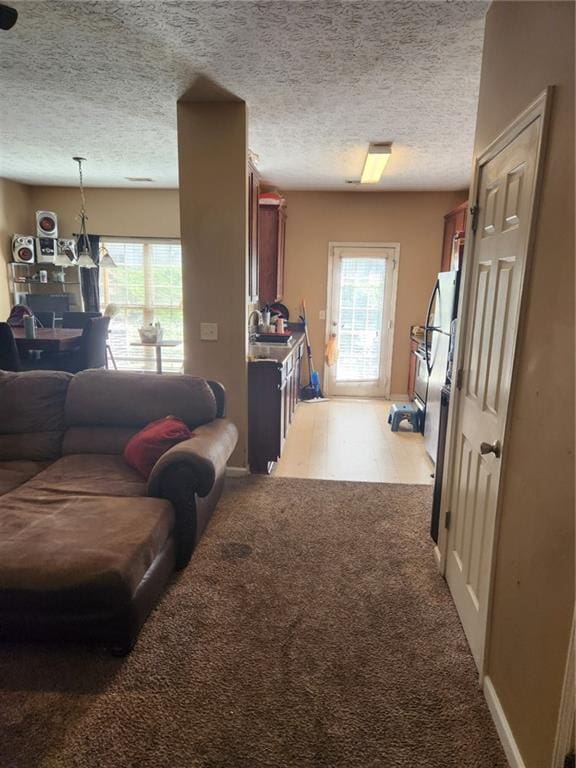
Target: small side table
{"x":158,"y":347}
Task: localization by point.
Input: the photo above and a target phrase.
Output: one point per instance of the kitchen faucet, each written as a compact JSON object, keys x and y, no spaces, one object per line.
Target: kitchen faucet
{"x":253,"y":329}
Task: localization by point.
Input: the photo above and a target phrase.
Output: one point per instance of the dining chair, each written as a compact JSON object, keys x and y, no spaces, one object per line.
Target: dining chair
{"x":9,"y":357}
{"x":78,"y":319}
{"x":45,"y":319}
{"x":91,"y":352}
{"x":111,"y":311}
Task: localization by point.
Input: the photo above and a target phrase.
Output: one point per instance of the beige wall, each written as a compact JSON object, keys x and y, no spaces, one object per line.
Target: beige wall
{"x":529,"y":45}
{"x":212,"y":153}
{"x":118,"y":212}
{"x":15,"y":217}
{"x":413,"y":219}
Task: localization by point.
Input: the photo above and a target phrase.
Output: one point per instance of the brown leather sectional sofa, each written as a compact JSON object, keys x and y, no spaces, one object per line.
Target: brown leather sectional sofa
{"x":86,"y":544}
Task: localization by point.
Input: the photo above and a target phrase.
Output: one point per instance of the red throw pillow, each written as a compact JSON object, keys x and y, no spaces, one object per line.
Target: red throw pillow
{"x":144,"y":449}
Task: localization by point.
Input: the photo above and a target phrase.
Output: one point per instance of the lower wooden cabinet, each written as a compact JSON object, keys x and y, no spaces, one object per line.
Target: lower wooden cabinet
{"x":273,"y":388}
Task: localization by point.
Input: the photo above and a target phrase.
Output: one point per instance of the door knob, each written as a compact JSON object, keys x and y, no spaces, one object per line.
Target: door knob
{"x":494,"y":448}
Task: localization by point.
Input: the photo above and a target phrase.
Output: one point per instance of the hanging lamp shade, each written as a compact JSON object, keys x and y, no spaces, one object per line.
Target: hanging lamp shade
{"x":85,"y":260}
{"x":106,"y":261}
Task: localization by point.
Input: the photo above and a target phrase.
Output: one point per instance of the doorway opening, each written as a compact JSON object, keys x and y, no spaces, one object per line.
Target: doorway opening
{"x":347,"y":436}
{"x":362,"y":281}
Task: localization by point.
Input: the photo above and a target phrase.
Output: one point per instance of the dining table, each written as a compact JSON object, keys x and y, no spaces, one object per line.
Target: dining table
{"x":48,"y":339}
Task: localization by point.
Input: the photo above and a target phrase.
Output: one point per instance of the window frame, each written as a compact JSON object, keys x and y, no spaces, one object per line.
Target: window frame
{"x":148,"y":308}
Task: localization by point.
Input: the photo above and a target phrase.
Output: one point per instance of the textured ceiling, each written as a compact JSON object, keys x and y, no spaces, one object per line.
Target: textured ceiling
{"x":321,"y":79}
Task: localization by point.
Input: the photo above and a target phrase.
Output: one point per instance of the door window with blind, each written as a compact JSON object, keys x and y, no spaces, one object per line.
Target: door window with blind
{"x":145,"y":287}
{"x":361,"y":314}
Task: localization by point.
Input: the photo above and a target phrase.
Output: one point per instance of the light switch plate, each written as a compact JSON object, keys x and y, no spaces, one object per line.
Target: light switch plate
{"x":322,"y":314}
{"x":209,"y":331}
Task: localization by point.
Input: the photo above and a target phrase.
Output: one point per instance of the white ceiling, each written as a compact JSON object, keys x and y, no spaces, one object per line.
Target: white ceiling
{"x":322,"y":78}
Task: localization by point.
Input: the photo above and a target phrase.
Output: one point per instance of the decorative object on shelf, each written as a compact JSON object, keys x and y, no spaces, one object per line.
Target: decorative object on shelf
{"x":67,"y":255}
{"x":23,"y":249}
{"x":85,"y":257}
{"x":270,"y":198}
{"x":46,"y":224}
{"x":46,"y":250}
{"x":106,"y":261}
{"x":253,"y":157}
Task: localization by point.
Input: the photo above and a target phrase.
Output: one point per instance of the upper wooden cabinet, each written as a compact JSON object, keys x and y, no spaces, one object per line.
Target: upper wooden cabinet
{"x":454,"y":225}
{"x":271,"y":249}
{"x":253,"y":232}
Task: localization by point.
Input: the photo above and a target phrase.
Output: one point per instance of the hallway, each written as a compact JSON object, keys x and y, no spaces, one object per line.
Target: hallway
{"x":350,"y":439}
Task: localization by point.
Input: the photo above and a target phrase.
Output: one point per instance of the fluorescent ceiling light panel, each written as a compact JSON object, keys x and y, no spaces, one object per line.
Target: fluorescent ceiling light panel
{"x":376,"y":159}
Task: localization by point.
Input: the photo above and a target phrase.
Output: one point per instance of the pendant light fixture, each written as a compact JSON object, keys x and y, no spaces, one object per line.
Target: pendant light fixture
{"x":85,"y":258}
{"x":106,"y":261}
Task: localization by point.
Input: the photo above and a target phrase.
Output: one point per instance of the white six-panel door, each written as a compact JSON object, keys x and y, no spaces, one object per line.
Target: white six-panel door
{"x":496,"y":268}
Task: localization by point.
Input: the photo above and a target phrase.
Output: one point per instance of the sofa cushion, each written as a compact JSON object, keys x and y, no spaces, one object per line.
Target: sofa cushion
{"x":32,"y":414}
{"x":88,"y":475}
{"x":96,"y":439}
{"x":15,"y":473}
{"x":84,"y":554}
{"x":100,"y":403}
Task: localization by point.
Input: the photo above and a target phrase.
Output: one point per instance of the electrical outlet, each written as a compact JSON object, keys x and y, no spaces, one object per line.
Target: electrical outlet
{"x":322,"y":314}
{"x":209,"y":331}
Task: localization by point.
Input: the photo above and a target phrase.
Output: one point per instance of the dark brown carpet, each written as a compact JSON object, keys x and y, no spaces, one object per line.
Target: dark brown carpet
{"x":310,"y":629}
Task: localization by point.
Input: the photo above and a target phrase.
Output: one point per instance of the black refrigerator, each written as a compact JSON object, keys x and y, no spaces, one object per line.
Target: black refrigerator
{"x":442,"y":310}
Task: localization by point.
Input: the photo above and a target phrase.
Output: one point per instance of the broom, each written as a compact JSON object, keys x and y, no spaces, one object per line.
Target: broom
{"x":312,"y":390}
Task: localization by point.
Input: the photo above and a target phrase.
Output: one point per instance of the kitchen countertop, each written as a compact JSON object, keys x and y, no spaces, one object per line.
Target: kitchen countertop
{"x":274,"y":353}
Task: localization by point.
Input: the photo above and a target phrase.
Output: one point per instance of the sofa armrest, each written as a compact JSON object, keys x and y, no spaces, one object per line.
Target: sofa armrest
{"x":203,"y":457}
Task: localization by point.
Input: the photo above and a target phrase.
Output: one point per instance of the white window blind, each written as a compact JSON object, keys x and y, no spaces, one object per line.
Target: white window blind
{"x":362,"y":284}
{"x":146,"y":286}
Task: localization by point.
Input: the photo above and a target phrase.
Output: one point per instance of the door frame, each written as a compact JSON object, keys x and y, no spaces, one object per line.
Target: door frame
{"x":539,"y":108}
{"x":563,"y":741}
{"x":391,"y":319}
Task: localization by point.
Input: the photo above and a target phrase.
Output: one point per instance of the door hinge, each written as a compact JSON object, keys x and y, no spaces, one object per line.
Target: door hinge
{"x":474,"y":211}
{"x":459,"y":378}
{"x":448,"y":519}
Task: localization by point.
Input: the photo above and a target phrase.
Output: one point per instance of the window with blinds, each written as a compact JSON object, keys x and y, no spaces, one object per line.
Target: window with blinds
{"x":146,"y":287}
{"x":362,"y":285}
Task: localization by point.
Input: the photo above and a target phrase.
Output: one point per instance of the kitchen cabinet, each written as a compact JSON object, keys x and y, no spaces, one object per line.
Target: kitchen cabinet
{"x":271,"y":251}
{"x":454,"y":225}
{"x":253,"y":233}
{"x":273,"y":389}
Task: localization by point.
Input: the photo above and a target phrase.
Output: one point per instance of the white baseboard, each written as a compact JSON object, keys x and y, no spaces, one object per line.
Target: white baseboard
{"x":399,"y":398}
{"x":237,"y":471}
{"x":502,"y":726}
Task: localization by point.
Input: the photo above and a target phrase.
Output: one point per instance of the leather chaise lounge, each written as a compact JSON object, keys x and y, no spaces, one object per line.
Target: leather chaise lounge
{"x":87,"y":545}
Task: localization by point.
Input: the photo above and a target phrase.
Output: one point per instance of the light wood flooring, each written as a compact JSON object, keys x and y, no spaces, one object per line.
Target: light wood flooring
{"x":350,"y":439}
